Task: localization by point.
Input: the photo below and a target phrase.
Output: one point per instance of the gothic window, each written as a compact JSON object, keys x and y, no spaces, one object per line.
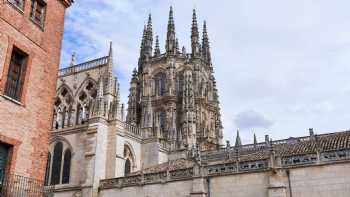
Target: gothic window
{"x":160,"y":80}
{"x":79,"y":114}
{"x":129,"y":160}
{"x":162,"y":123}
{"x":127,"y":168}
{"x":47,"y":171}
{"x":56,"y":163}
{"x":18,"y":3}
{"x":87,"y":94}
{"x":55,"y":123}
{"x":66,"y":167}
{"x":16,"y":74}
{"x":64,"y":117}
{"x":58,"y":170}
{"x":63,"y":109}
{"x":37,"y":12}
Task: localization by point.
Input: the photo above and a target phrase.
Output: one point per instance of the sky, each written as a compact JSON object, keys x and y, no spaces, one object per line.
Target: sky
{"x":281,"y":67}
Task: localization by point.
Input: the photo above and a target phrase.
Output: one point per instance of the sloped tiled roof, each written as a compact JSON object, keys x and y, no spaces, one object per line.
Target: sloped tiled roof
{"x":178,"y":164}
{"x":261,"y":151}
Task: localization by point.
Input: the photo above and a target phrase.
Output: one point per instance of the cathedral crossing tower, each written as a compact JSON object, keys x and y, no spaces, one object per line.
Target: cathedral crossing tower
{"x":173,"y":95}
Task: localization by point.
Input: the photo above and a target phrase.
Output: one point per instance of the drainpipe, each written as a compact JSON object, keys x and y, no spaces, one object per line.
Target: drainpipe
{"x":208,"y":186}
{"x":289,"y":183}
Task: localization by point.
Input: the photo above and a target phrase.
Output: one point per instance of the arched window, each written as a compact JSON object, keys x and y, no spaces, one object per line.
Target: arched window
{"x":129,"y":160}
{"x":47,"y":171}
{"x":56,"y":163}
{"x":127,"y":168}
{"x":66,"y":167}
{"x":62,"y":112}
{"x":61,"y":164}
{"x":160,"y":80}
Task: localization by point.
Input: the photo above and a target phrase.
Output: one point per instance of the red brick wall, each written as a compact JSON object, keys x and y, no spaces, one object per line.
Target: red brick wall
{"x":25,"y":125}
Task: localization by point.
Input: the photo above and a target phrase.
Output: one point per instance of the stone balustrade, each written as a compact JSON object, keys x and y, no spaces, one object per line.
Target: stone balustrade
{"x":150,"y":178}
{"x":84,"y":66}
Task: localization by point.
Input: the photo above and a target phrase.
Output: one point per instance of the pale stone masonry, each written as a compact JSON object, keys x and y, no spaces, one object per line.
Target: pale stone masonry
{"x":169,"y":142}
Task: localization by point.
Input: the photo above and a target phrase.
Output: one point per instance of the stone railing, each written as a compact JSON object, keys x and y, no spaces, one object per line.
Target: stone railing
{"x":237,"y":167}
{"x":132,"y":129}
{"x":83,"y":66}
{"x":150,"y":178}
{"x":323,"y":157}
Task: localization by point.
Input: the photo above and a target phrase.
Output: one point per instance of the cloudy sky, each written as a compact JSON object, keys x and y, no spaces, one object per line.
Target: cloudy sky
{"x":281,"y":66}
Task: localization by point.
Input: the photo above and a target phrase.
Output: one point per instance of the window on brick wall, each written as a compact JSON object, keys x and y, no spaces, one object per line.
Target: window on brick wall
{"x":37,"y":13}
{"x":18,"y":3}
{"x":15,"y":76}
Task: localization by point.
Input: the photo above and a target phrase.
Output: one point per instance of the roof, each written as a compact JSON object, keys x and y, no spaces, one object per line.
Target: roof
{"x":284,"y":148}
{"x":261,"y":151}
{"x":178,"y":164}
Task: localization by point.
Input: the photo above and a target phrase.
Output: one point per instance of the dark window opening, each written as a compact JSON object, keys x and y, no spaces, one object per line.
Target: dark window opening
{"x":15,"y":76}
{"x":56,"y":164}
{"x":4,"y":150}
{"x":66,"y":167}
{"x":160,"y":81}
{"x":127,"y":169}
{"x":47,"y":171}
{"x":37,"y":13}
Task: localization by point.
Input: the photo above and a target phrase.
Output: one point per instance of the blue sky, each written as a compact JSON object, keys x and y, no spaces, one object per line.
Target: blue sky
{"x":281,"y":66}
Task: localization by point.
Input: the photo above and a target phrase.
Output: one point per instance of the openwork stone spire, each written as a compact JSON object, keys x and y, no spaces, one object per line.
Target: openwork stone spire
{"x":194,"y":35}
{"x":110,"y":78}
{"x":205,"y":45}
{"x":149,"y":37}
{"x":157,"y":49}
{"x":170,"y":45}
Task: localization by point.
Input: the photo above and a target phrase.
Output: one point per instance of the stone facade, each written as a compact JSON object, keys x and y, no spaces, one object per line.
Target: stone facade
{"x":170,"y":141}
{"x":26,"y":120}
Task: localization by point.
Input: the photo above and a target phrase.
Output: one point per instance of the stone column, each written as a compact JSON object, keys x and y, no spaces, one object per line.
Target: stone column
{"x":199,"y":183}
{"x":278,"y":183}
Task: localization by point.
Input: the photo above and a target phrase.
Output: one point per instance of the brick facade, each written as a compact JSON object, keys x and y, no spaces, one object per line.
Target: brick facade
{"x":24,"y":123}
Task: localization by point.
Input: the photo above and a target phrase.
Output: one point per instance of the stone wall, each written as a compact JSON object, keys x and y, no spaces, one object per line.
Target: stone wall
{"x":330,"y":180}
{"x":170,"y":189}
{"x":321,"y":181}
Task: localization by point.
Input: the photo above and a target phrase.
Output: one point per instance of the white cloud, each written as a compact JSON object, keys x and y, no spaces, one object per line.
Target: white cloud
{"x":287,"y":60}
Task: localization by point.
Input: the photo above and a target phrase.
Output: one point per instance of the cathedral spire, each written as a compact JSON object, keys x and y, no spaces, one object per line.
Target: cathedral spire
{"x":205,"y":44}
{"x":194,"y":35}
{"x":109,"y":75}
{"x":170,"y":40}
{"x":149,"y":37}
{"x":142,"y":49}
{"x":238,"y":139}
{"x":157,"y":49}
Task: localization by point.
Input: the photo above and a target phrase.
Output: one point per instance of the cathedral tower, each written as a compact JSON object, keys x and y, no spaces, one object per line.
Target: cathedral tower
{"x":173,"y":95}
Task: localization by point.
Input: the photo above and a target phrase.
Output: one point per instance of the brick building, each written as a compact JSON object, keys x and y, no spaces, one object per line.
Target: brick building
{"x":30,"y":43}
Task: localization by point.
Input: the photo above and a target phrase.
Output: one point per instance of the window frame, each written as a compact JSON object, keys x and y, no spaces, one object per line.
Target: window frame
{"x":33,"y":10}
{"x":21,"y":77}
{"x":19,"y":8}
